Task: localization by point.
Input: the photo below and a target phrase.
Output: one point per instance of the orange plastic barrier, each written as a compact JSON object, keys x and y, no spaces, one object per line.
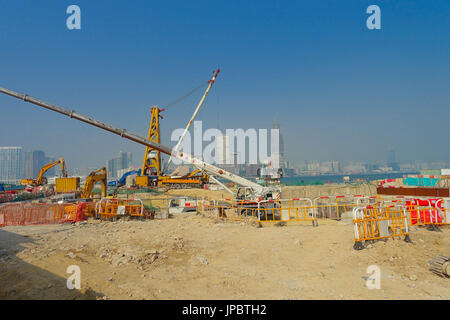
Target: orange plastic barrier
{"x":16,"y":214}
{"x":427,"y":212}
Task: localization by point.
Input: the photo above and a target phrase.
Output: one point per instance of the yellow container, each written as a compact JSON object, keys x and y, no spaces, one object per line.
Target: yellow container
{"x":63,"y":185}
{"x":142,"y":181}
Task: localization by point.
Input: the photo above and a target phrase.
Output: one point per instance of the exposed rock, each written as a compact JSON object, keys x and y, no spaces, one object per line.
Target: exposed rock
{"x":203,"y":260}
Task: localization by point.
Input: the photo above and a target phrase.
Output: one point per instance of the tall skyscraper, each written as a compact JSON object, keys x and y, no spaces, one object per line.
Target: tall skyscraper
{"x":226,"y":158}
{"x":282,"y":158}
{"x":122,"y":161}
{"x":38,"y":160}
{"x":391,"y":161}
{"x":223,"y":149}
{"x":28,"y":164}
{"x":11,"y":164}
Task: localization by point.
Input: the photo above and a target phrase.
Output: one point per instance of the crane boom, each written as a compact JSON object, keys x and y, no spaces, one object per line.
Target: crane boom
{"x":177,"y":146}
{"x":209,"y":168}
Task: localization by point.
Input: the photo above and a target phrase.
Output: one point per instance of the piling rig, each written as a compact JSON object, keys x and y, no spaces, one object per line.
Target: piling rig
{"x":248,"y":195}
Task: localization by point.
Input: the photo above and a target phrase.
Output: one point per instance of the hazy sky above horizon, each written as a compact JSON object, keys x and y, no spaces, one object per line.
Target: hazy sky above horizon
{"x":339,"y":90}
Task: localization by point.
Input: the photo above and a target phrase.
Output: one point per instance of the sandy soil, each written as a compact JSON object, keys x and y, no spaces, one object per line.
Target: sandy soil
{"x":194,"y":257}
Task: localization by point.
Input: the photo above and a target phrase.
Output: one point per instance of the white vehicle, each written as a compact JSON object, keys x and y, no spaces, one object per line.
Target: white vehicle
{"x":182,"y":204}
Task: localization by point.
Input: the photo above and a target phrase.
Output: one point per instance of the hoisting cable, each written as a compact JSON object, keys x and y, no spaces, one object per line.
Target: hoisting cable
{"x":186,"y":95}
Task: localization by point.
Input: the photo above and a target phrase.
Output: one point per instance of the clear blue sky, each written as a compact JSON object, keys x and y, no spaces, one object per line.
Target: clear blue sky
{"x":339,"y":90}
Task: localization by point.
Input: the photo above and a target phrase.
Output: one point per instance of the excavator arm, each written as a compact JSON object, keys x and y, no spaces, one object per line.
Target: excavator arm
{"x":40,"y":180}
{"x":98,"y":175}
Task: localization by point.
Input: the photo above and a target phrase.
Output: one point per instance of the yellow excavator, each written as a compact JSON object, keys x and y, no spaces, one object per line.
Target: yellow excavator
{"x":98,"y":175}
{"x":41,"y":180}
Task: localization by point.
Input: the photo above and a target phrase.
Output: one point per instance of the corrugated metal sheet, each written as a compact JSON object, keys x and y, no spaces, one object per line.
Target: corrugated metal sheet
{"x":419,"y":192}
{"x":63,"y":185}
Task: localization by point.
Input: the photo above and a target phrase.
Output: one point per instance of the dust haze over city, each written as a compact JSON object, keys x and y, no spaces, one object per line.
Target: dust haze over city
{"x":225,"y":150}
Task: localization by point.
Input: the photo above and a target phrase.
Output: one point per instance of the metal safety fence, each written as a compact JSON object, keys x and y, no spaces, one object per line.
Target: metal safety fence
{"x":296,"y":209}
{"x":335,"y":207}
{"x":379,"y":222}
{"x":429,"y":216}
{"x":283,"y":210}
{"x":113,"y":207}
{"x":429,"y":212}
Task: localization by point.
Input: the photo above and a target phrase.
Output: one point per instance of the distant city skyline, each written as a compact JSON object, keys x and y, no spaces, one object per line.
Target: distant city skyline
{"x":17,"y":163}
{"x":15,"y":169}
{"x":340,"y":91}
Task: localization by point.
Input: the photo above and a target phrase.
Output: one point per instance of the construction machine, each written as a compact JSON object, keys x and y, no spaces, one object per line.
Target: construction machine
{"x":151,"y":165}
{"x":267,"y":173}
{"x":123,"y":180}
{"x":41,"y":180}
{"x":249,"y":194}
{"x":151,"y":173}
{"x":194,"y":179}
{"x":98,"y":175}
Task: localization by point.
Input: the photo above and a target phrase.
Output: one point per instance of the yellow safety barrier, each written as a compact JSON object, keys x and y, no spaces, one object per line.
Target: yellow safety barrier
{"x":113,"y":207}
{"x":387,"y":213}
{"x":446,"y":216}
{"x":334,"y":207}
{"x":263,"y":211}
{"x":377,"y":222}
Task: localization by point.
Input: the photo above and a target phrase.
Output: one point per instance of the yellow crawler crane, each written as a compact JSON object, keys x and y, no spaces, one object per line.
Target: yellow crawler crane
{"x":151,"y":165}
{"x":41,"y":180}
{"x":98,"y":175}
{"x":151,"y":173}
{"x":195,"y":179}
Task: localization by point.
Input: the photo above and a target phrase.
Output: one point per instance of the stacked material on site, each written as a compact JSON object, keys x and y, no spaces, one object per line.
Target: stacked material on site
{"x":440,"y":266}
{"x":30,"y":196}
{"x":8,"y":196}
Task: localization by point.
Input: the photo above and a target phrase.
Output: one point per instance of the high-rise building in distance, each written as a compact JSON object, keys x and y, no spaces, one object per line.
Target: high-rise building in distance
{"x":391,"y":161}
{"x":122,"y":161}
{"x":282,"y":157}
{"x":39,"y":159}
{"x":11,"y":164}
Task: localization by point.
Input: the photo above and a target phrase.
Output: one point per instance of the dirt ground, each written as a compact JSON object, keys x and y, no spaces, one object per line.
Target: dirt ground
{"x":194,"y":257}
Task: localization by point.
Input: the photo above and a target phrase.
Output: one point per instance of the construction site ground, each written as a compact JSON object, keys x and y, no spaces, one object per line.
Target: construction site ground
{"x":193,"y":257}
